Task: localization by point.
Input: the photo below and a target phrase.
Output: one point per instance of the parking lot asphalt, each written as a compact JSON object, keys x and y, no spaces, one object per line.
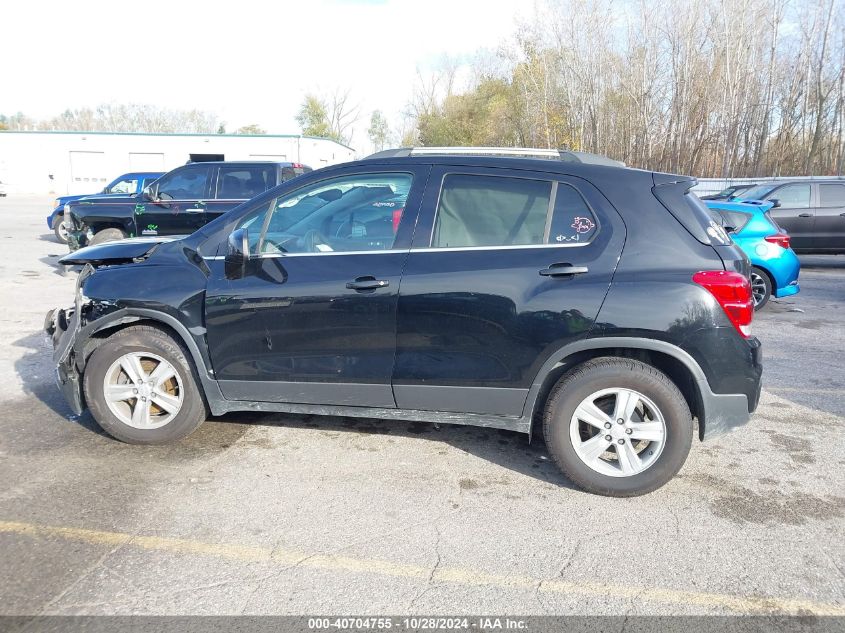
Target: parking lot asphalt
{"x":288,"y":514}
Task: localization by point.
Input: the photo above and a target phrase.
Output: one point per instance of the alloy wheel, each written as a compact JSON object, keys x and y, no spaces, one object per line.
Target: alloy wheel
{"x":758,"y":288}
{"x":143,"y":390}
{"x":618,"y":432}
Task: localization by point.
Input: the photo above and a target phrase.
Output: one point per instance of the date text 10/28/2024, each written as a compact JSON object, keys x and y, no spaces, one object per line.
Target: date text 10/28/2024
{"x":418,"y":623}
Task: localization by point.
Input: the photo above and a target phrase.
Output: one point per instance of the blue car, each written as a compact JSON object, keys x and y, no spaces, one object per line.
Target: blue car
{"x":775,"y":265}
{"x":133,"y":182}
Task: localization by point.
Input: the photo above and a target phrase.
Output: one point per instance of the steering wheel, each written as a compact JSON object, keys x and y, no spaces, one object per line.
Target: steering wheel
{"x":351,"y":224}
{"x":311,"y":239}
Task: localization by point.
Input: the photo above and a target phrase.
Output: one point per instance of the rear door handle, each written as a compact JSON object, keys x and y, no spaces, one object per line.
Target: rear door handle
{"x":805,"y":215}
{"x":367,"y":283}
{"x":563,"y":270}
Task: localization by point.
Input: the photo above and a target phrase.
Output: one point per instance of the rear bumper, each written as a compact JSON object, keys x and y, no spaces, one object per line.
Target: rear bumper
{"x":788,"y":290}
{"x":724,"y":412}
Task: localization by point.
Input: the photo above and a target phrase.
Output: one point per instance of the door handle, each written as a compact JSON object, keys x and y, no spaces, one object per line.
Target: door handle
{"x":842,"y":215}
{"x":367,"y":283}
{"x":805,"y":215}
{"x":194,"y":210}
{"x":563,"y":270}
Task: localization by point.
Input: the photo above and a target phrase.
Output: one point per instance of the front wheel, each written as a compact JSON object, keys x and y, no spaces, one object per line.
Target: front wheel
{"x":59,"y":229}
{"x":618,"y":427}
{"x":761,"y":287}
{"x":142,"y":389}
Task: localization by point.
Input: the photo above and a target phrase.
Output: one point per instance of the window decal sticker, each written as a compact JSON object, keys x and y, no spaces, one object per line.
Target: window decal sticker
{"x":583,"y":225}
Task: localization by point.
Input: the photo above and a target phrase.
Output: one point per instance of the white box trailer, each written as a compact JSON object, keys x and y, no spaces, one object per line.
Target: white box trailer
{"x":84,"y":162}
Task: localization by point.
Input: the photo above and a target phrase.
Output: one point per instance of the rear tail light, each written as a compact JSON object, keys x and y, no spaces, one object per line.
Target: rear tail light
{"x":733,"y":292}
{"x":781,"y":239}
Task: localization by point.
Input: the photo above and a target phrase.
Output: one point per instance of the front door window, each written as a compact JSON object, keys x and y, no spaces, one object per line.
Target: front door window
{"x":184,"y":184}
{"x":348,"y":214}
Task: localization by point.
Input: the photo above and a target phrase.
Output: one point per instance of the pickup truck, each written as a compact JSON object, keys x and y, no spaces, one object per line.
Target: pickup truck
{"x":133,"y":182}
{"x":178,"y":203}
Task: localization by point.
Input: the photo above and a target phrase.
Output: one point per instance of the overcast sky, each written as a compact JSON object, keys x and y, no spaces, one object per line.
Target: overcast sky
{"x":247,"y":61}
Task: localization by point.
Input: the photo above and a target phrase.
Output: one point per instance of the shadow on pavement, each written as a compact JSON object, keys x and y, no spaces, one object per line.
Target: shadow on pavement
{"x":505,"y":448}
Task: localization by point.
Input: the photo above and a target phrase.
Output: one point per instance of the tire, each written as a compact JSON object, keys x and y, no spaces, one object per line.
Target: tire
{"x":107,"y":235}
{"x":105,"y":365}
{"x":59,"y":229}
{"x":761,"y":287}
{"x":659,"y":403}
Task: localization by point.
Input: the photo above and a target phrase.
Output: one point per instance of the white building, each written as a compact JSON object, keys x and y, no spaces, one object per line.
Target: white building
{"x":84,"y":162}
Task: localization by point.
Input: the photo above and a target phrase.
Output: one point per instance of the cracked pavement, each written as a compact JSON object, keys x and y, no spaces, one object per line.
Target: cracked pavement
{"x":287,"y":514}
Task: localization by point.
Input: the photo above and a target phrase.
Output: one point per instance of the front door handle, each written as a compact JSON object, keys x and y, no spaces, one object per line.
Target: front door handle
{"x":805,"y":215}
{"x":563,"y":270}
{"x":367,"y":283}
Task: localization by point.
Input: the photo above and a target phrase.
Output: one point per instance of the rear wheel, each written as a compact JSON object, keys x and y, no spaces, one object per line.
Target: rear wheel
{"x":761,"y":287}
{"x":142,"y":389}
{"x":618,"y":427}
{"x":60,"y":229}
{"x":107,"y":235}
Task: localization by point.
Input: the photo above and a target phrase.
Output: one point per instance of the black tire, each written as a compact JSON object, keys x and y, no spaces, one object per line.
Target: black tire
{"x":607,"y":373}
{"x":58,"y":229}
{"x":143,"y":338}
{"x":107,"y":235}
{"x":760,"y":280}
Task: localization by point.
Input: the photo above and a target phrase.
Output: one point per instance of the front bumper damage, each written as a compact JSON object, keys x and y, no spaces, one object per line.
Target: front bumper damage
{"x":63,"y":325}
{"x":78,"y":238}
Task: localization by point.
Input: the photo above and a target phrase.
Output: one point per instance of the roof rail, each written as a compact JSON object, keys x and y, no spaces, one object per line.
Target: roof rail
{"x":522,"y":152}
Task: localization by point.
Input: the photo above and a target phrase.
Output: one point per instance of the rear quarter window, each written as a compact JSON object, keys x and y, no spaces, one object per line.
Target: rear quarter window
{"x":572,"y":221}
{"x":732,"y":220}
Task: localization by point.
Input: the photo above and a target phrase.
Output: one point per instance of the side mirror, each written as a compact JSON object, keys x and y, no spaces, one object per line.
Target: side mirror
{"x":775,"y":203}
{"x":237,"y":254}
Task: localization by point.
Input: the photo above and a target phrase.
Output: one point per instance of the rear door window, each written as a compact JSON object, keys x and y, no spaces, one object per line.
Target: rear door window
{"x":478,"y":210}
{"x":832,"y":195}
{"x":243,"y":182}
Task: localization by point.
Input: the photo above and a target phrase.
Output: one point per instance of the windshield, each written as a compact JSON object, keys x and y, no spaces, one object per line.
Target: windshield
{"x":755,"y":193}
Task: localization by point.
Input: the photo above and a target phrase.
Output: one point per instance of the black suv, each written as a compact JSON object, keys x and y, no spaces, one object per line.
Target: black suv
{"x":178,"y":203}
{"x":811,"y":211}
{"x":596,"y":304}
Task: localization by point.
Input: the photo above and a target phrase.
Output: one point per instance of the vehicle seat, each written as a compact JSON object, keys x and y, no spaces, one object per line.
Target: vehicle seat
{"x":253,"y":187}
{"x":231,"y":188}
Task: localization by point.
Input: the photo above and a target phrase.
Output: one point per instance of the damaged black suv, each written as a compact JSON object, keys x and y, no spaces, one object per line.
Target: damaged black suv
{"x":531,"y":290}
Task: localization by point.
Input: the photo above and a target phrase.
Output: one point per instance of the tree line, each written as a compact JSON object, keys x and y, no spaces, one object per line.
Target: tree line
{"x":127,"y":117}
{"x":716,"y":88}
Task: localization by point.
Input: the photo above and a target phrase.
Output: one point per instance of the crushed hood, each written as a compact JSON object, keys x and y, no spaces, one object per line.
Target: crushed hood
{"x":117,"y":252}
